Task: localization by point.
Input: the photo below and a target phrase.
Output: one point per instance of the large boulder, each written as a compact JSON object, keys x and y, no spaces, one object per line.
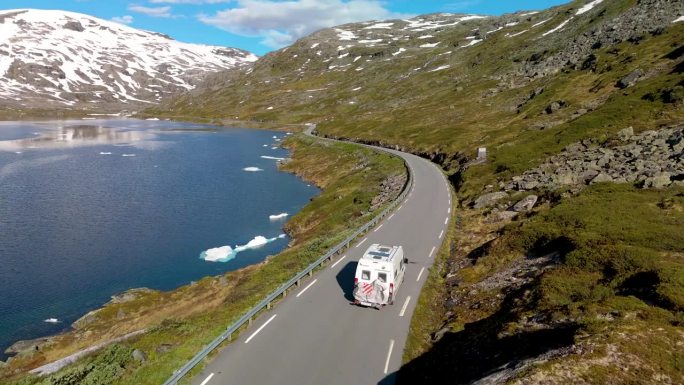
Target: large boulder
{"x":630,"y":79}
{"x":139,"y":355}
{"x":659,"y":180}
{"x":490,"y":199}
{"x":525,"y":204}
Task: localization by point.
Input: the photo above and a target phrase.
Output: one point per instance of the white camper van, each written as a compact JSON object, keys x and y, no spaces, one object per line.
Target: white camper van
{"x":378,"y":275}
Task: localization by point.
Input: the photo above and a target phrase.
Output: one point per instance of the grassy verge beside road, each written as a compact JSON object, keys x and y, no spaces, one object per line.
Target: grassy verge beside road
{"x":182,"y":321}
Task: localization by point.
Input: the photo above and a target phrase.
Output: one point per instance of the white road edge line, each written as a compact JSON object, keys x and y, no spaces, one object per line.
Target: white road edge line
{"x":422,"y":269}
{"x":433,"y":250}
{"x":338,"y":261}
{"x":403,"y":308}
{"x":206,"y":380}
{"x":377,"y":228}
{"x":364,"y":240}
{"x":308,"y":286}
{"x":390,"y":217}
{"x":389,"y":354}
{"x":400,"y":206}
{"x":440,"y":234}
{"x":262,"y":326}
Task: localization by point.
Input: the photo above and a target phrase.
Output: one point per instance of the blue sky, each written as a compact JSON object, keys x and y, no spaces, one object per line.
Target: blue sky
{"x":260,"y":26}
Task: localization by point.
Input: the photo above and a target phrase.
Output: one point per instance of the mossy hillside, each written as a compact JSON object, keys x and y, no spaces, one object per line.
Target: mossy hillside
{"x":182,"y":321}
{"x":482,"y":99}
{"x":615,"y":287}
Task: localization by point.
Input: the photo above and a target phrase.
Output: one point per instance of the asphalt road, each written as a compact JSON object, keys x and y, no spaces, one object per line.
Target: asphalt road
{"x":315,"y":336}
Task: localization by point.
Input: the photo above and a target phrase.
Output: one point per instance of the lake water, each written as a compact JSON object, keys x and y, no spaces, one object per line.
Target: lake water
{"x":91,"y":208}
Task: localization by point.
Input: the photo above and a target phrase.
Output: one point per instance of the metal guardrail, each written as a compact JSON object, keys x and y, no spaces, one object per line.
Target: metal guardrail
{"x":282,"y":290}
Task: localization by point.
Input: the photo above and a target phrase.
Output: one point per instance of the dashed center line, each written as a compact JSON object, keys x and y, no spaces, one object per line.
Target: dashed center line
{"x":338,"y":261}
{"x":403,"y":308}
{"x":389,"y":354}
{"x":422,"y":269}
{"x":308,"y":286}
{"x":377,"y":228}
{"x":206,"y":380}
{"x":260,"y":328}
{"x":433,"y":250}
{"x":449,"y":210}
{"x":440,"y":234}
{"x":364,"y":240}
{"x":446,"y":220}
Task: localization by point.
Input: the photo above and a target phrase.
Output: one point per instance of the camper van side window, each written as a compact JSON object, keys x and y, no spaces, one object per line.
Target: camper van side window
{"x":382,"y":277}
{"x":365,"y":275}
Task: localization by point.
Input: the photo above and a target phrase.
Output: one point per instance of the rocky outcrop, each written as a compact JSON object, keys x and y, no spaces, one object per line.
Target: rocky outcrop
{"x":652,"y":159}
{"x":389,"y":189}
{"x":488,"y":200}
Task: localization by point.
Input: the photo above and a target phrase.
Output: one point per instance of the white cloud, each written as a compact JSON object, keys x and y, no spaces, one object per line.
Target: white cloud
{"x":189,"y":1}
{"x":280,"y":23}
{"x":126,"y":19}
{"x":164,"y":12}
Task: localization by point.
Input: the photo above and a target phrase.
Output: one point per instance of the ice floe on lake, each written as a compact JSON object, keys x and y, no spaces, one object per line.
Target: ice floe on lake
{"x":277,"y":216}
{"x":271,"y":157}
{"x":227,"y":253}
{"x":128,"y":155}
{"x":105,"y":153}
{"x":252,"y":169}
{"x":51,"y":320}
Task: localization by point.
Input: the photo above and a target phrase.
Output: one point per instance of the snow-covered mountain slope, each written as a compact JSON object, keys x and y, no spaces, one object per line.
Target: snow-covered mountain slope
{"x":61,"y":59}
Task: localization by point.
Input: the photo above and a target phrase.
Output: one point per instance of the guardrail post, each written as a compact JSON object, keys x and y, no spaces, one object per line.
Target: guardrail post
{"x":284,"y":293}
{"x":297,"y":283}
{"x":249,"y":323}
{"x":268,"y":306}
{"x":310,"y":273}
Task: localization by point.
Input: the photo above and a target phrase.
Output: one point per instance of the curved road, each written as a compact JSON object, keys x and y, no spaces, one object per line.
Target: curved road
{"x":315,"y":336}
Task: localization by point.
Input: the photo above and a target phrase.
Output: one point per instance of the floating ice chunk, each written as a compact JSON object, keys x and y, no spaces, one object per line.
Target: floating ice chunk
{"x":252,"y":169}
{"x":274,"y":148}
{"x":277,"y":216}
{"x":51,"y":320}
{"x":588,"y":6}
{"x":218,"y":254}
{"x":275,"y":137}
{"x":17,"y":152}
{"x":152,"y":119}
{"x":227,"y":253}
{"x":265,"y":145}
{"x":127,"y":155}
{"x":105,"y":153}
{"x":271,"y":157}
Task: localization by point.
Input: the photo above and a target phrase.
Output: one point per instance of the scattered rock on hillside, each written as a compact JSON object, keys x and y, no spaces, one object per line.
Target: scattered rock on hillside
{"x":651,"y":159}
{"x":490,"y":199}
{"x":630,"y":79}
{"x":525,"y":204}
{"x":555,"y":106}
{"x":139,"y":355}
